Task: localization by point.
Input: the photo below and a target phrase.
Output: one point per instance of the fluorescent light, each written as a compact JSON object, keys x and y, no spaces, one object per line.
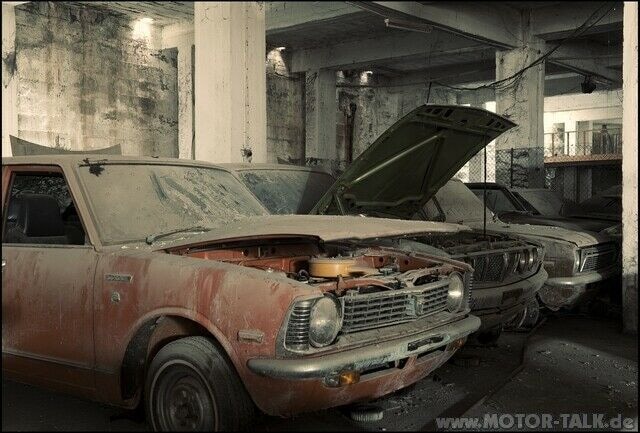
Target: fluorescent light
{"x":408,"y":25}
{"x":280,"y":48}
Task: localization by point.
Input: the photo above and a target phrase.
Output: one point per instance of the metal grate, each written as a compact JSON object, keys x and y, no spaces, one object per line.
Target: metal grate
{"x":372,"y":310}
{"x":598,"y":257}
{"x":298,"y":327}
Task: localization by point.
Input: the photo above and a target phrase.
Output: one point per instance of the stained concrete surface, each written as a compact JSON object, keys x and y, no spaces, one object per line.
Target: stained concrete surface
{"x":573,"y":364}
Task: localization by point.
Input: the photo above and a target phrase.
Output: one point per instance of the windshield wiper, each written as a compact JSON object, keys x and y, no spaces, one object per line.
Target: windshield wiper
{"x":152,"y":238}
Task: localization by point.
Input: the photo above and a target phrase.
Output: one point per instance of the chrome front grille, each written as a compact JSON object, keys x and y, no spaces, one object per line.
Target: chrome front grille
{"x":489,"y":267}
{"x":598,"y":257}
{"x":495,"y":267}
{"x":373,"y":310}
{"x":297,"y":336}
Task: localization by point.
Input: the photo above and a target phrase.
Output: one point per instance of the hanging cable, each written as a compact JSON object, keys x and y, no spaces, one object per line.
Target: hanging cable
{"x":577,"y":32}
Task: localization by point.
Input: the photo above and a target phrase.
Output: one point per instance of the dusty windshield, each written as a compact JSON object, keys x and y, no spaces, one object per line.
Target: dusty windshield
{"x":133,"y":201}
{"x":460,"y":205}
{"x":287,"y":191}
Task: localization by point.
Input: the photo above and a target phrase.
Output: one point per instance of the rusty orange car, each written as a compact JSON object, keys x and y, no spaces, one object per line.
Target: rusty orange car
{"x":132,"y":280}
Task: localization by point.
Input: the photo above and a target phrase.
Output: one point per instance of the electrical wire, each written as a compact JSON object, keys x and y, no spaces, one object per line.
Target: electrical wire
{"x":517,"y":75}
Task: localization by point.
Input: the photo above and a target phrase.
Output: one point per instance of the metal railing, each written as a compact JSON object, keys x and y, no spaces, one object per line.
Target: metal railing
{"x":588,"y":142}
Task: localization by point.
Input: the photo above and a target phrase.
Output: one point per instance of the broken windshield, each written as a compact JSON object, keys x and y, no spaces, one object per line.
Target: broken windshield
{"x":132,"y":201}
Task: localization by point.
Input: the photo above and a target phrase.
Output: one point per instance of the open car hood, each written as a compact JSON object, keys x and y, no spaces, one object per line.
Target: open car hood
{"x":411,"y":160}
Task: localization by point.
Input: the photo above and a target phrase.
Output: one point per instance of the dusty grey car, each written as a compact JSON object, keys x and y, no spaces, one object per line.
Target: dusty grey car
{"x":508,"y":270}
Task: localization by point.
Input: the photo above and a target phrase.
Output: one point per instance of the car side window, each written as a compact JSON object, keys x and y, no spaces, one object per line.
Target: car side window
{"x":40,"y":211}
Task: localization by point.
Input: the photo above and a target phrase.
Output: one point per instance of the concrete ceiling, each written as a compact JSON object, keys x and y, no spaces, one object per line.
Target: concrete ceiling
{"x":162,"y":12}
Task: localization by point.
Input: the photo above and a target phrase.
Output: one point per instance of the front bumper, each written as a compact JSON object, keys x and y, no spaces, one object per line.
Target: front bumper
{"x":364,"y":357}
{"x":285,"y":387}
{"x":559,"y":292}
{"x":498,"y":305}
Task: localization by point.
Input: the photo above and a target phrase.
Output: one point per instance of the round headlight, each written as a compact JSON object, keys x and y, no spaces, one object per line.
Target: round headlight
{"x":535,"y":256}
{"x":576,"y":261}
{"x":523,"y":258}
{"x":324,"y":322}
{"x":531,"y":259}
{"x":455,"y":296}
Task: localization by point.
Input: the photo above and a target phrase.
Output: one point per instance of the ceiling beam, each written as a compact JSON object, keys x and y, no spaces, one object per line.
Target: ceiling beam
{"x":584,"y":60}
{"x":496,"y":25}
{"x":284,"y":16}
{"x":386,"y":49}
{"x":561,"y":19}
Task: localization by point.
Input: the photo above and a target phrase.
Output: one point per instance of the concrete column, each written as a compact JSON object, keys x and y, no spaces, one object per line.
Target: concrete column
{"x":630,"y":168}
{"x":181,"y":36}
{"x":9,"y":78}
{"x":230,"y":82}
{"x":522,"y":101}
{"x":321,"y":106}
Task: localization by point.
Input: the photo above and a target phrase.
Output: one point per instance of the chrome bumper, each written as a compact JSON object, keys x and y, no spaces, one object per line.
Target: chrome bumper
{"x":582,"y":279}
{"x":364,"y":357}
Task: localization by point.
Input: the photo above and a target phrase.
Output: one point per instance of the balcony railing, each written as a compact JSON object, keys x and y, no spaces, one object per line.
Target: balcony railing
{"x":589,"y":142}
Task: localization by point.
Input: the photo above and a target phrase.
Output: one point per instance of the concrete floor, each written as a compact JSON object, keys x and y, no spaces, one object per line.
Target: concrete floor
{"x":574,"y":364}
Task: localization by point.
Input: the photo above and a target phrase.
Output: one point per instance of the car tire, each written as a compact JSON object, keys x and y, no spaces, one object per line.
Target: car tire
{"x":191,"y":386}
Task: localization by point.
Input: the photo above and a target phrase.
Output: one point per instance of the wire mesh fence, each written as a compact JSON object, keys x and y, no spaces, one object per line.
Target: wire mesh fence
{"x":525,"y":167}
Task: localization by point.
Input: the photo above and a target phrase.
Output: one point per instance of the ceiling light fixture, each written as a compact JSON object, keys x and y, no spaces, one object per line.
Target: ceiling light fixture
{"x":408,"y":25}
{"x":280,"y":48}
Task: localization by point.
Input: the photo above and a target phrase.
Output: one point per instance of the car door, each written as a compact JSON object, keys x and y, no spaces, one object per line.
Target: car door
{"x":48,"y":268}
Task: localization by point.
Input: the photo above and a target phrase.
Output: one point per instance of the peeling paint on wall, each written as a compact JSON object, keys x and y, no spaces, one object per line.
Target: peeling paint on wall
{"x":85,"y":82}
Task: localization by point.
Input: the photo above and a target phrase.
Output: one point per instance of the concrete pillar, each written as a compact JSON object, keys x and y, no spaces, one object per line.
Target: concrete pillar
{"x":9,"y":78}
{"x":522,"y":101}
{"x":230,"y":82}
{"x":321,"y":106}
{"x":630,"y":168}
{"x":181,"y":36}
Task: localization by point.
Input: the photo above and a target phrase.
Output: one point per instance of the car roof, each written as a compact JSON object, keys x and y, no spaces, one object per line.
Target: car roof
{"x":82,"y":158}
{"x":271,"y":166}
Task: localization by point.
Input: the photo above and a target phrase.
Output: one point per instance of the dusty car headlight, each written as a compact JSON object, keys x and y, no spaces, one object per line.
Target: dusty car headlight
{"x":576,"y":261}
{"x":455,"y":297}
{"x":324,"y":322}
{"x":523,"y":259}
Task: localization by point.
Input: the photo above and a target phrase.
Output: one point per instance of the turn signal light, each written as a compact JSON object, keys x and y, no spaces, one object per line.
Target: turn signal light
{"x":348,"y":378}
{"x":457,"y":344}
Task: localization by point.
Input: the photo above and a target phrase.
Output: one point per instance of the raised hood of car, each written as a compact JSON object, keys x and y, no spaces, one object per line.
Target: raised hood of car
{"x":411,"y":160}
{"x":323,"y":227}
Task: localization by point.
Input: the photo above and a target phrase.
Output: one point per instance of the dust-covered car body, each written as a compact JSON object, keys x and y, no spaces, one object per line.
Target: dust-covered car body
{"x":142,"y":252}
{"x":427,"y":147}
{"x":511,"y":206}
{"x":573,"y":259}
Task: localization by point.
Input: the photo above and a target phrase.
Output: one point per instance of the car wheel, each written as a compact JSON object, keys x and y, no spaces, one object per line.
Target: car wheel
{"x":191,"y":386}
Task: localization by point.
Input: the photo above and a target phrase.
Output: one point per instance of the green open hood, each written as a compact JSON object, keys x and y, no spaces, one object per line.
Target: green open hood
{"x":406,"y":165}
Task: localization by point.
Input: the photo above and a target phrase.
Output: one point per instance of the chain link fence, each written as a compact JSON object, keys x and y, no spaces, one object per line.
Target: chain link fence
{"x":525,"y":168}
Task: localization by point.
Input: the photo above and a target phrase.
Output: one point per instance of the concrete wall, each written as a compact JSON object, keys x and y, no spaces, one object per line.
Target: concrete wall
{"x":285,"y":110}
{"x":378,"y":108}
{"x":88,"y":80}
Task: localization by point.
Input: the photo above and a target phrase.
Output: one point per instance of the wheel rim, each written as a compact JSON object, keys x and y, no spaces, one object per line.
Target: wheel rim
{"x":179,"y":398}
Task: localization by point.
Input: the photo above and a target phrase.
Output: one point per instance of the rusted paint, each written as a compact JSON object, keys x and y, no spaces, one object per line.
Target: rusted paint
{"x":61,"y":328}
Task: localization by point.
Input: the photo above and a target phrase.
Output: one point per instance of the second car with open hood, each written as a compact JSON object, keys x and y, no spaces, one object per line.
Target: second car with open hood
{"x":395,"y":178}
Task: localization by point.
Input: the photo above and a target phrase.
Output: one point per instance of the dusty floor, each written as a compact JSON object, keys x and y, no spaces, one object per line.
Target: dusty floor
{"x":573,"y":364}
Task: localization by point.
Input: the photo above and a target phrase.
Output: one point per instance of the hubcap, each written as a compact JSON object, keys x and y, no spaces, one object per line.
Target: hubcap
{"x":181,"y":400}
